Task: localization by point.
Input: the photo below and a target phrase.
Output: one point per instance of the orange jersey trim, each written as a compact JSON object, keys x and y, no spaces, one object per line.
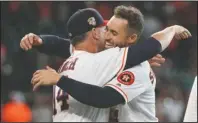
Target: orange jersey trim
{"x":122,"y":65}
{"x":123,"y":60}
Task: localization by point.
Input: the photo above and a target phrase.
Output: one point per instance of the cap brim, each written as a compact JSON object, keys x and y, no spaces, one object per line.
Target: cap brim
{"x":104,"y":23}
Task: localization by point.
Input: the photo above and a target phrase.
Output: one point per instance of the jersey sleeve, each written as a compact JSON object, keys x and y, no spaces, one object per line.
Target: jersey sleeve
{"x":131,"y":83}
{"x":109,"y":63}
{"x":54,"y":45}
{"x":142,"y":51}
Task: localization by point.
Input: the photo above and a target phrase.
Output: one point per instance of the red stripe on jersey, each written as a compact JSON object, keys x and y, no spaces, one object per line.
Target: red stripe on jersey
{"x":123,"y":61}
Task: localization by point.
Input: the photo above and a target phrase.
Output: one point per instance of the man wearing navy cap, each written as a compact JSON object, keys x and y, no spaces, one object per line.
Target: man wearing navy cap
{"x":87,"y":24}
{"x":97,"y":73}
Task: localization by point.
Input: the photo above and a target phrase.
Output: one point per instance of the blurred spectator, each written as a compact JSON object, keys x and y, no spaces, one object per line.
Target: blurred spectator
{"x":170,"y":104}
{"x":151,"y":25}
{"x":42,"y":110}
{"x":16,"y":110}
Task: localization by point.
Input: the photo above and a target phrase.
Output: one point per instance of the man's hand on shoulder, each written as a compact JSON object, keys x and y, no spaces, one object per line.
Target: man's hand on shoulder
{"x":45,"y":77}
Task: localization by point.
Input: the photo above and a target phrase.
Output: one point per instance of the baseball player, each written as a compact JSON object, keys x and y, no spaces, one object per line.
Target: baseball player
{"x":70,"y":64}
{"x":191,"y":110}
{"x":73,"y":68}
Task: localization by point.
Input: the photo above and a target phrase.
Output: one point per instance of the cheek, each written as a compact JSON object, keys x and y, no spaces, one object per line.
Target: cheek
{"x":102,"y":43}
{"x":102,"y":36}
{"x":118,"y":40}
{"x":123,"y":40}
{"x":102,"y":40}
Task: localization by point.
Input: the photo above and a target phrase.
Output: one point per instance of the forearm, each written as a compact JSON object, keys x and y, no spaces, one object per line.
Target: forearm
{"x":165,"y":36}
{"x":90,"y":94}
{"x":54,"y":45}
{"x":157,"y":43}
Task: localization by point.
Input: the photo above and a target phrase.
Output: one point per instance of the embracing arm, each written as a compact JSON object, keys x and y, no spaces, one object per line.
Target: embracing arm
{"x":54,"y":45}
{"x":99,"y":97}
{"x":142,"y":52}
{"x":157,"y":43}
{"x":86,"y":93}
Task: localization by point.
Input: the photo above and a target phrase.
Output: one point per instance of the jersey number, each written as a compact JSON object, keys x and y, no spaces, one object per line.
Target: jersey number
{"x":61,"y":97}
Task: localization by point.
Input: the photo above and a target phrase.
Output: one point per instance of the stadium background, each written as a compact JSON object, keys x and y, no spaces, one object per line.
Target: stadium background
{"x":174,"y":78}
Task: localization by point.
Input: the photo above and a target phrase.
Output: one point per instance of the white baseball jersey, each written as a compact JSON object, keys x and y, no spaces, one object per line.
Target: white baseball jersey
{"x":95,"y":69}
{"x":191,"y":110}
{"x":137,"y":86}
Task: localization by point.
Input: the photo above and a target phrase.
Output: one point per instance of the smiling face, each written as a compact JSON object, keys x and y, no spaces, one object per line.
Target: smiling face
{"x":116,"y":33}
{"x":124,"y":28}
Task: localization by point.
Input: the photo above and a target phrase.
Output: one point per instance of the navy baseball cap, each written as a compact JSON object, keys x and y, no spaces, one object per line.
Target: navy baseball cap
{"x":83,"y":21}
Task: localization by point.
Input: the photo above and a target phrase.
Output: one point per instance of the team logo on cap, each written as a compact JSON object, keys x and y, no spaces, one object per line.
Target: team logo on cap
{"x":91,"y":21}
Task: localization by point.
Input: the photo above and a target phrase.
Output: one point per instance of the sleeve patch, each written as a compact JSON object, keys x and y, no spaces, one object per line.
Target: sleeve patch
{"x":126,"y":78}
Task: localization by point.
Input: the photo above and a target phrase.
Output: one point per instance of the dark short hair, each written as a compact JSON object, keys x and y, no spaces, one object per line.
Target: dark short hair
{"x":78,"y":39}
{"x":133,"y":16}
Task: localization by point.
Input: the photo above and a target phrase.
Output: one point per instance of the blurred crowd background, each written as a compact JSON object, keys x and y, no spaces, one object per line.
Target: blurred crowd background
{"x":174,"y":78}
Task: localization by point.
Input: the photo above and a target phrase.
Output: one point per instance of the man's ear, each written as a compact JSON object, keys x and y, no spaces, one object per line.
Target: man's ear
{"x":132,"y":38}
{"x":94,"y":33}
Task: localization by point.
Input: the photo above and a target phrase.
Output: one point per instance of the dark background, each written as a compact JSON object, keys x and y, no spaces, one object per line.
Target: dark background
{"x":174,"y":78}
